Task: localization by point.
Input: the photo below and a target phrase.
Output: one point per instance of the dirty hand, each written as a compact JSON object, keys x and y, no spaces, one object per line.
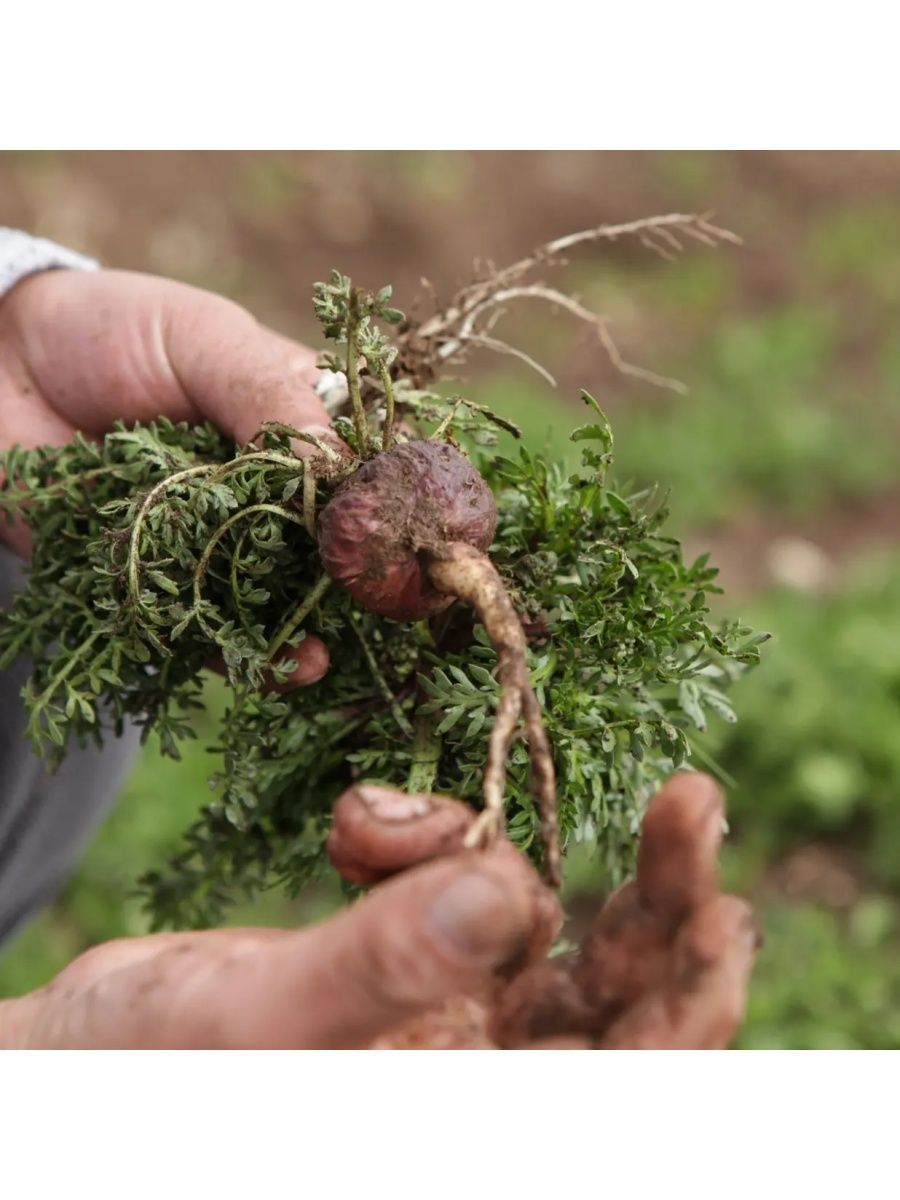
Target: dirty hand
{"x":449,"y":952}
{"x":437,"y":931}
{"x":664,"y":966}
{"x":80,"y":350}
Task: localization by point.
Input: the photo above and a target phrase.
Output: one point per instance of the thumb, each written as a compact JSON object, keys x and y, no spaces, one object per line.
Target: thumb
{"x":437,"y":931}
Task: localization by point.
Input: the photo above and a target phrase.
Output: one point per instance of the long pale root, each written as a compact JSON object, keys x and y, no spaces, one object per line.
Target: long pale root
{"x":460,"y":570}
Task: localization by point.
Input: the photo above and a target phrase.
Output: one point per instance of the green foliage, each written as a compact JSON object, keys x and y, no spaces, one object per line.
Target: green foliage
{"x":768,"y":419}
{"x":826,"y":982}
{"x":164,"y":547}
{"x":772,"y":418}
{"x":831,"y":695}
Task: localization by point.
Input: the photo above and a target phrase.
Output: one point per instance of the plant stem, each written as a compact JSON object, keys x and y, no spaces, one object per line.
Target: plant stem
{"x":426,"y":754}
{"x":200,"y":572}
{"x":300,"y":613}
{"x":134,"y":544}
{"x":359,"y":413}
{"x":387,"y":436}
{"x":711,"y":765}
{"x":48,"y":692}
{"x":396,"y":710}
{"x":271,"y":456}
{"x":233,"y":577}
{"x":309,"y":502}
{"x":437,"y":434}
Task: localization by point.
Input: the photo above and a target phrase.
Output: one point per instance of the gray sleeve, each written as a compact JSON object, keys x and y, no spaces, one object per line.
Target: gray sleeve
{"x":22,"y":255}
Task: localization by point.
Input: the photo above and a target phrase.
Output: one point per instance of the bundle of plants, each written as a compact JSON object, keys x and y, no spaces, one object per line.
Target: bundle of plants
{"x":500,"y":628}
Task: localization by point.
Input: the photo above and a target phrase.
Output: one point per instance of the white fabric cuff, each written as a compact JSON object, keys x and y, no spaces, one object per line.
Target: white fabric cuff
{"x":22,"y":255}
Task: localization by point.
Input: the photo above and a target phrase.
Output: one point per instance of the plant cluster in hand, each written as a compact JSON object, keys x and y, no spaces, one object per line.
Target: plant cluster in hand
{"x":165,"y":547}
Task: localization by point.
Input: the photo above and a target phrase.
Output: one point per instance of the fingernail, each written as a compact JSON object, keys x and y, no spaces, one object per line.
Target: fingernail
{"x":475,"y":914}
{"x":386,"y":805}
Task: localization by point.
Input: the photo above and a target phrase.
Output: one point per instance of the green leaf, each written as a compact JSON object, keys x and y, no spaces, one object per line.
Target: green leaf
{"x":482,"y":676}
{"x":453,"y":715}
{"x":590,"y":433}
{"x":164,"y":582}
{"x":689,"y":703}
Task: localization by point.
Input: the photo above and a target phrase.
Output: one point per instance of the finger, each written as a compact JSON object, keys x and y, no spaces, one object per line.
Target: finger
{"x":624,"y":954}
{"x":626,"y":951}
{"x":312,"y":662}
{"x":377,"y":831}
{"x":140,"y":347}
{"x":701,"y":1005}
{"x":311,"y":658}
{"x":680,"y":838}
{"x":439,"y":930}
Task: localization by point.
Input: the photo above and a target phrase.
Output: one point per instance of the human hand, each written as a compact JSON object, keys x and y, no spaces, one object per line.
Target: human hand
{"x":440,"y":930}
{"x":664,"y":966}
{"x":448,"y":953}
{"x":82,"y":349}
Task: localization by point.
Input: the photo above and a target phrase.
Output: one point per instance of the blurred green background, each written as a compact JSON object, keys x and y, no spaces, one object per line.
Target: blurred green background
{"x":782,"y":459}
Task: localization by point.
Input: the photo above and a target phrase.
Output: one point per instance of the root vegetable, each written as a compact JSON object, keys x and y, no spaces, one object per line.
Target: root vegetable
{"x":379,"y":530}
{"x":406,"y":535}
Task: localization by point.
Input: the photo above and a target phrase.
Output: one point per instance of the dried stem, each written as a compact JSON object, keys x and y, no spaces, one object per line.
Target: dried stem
{"x":694,"y":225}
{"x":459,"y":570}
{"x":452,"y":331}
{"x":538,"y":291}
{"x":501,"y":347}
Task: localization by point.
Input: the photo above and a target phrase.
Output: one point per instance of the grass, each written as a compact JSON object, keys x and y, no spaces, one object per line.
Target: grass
{"x":828,"y":769}
{"x":823,"y":983}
